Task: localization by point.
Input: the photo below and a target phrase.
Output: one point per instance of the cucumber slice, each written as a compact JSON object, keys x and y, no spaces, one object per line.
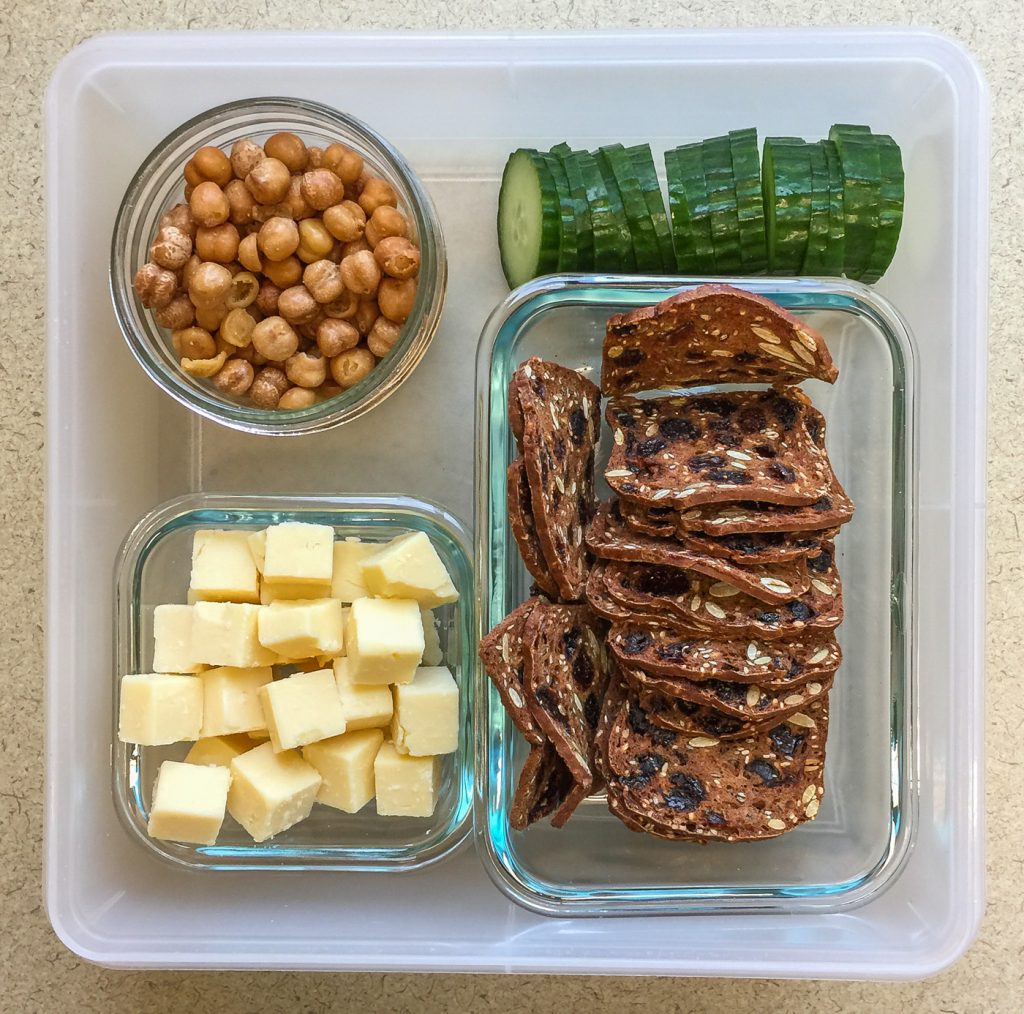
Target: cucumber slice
{"x":613,"y":249}
{"x":528,"y":218}
{"x":890,"y":211}
{"x":647,"y":174}
{"x":687,"y":199}
{"x":567,"y":257}
{"x":786,"y":178}
{"x":834,"y":250}
{"x":618,"y":208}
{"x":862,"y":195}
{"x":721,"y":192}
{"x":641,"y":228}
{"x":746,"y":170}
{"x":581,"y":207}
{"x":818,"y":228}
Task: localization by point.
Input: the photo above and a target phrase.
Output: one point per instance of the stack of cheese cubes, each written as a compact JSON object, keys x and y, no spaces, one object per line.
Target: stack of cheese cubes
{"x":366,"y":711}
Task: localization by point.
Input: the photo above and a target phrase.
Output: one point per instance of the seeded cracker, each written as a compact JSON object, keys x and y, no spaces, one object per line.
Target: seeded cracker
{"x":545,"y":783}
{"x":524,"y":530}
{"x":561,"y":426}
{"x":712,"y":334}
{"x":609,"y":538}
{"x":693,"y":719}
{"x":737,"y":445}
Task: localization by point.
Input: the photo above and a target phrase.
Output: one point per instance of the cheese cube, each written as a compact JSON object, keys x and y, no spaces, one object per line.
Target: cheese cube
{"x":258,"y":547}
{"x":431,"y":642}
{"x":259,"y":735}
{"x":363,"y":705}
{"x":157,"y":709}
{"x":220,"y":750}
{"x":345,"y":764}
{"x":405,"y":786}
{"x":189,"y":802}
{"x":384,"y":640}
{"x":299,"y":553}
{"x":225,"y":633}
{"x":172,"y":640}
{"x":223,"y":569}
{"x":302,"y":629}
{"x":302,"y":709}
{"x":271,"y":791}
{"x":347,"y":584}
{"x":277,"y":591}
{"x":231,"y":700}
{"x":426,"y":718}
{"x":409,"y":568}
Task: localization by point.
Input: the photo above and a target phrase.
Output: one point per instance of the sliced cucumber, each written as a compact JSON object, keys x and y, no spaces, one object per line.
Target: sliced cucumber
{"x":818,"y":227}
{"x":746,"y":170}
{"x":616,"y":160}
{"x":834,"y":251}
{"x":688,"y":199}
{"x":786,"y":178}
{"x":647,"y":174}
{"x":862,"y":194}
{"x":567,"y":256}
{"x":618,"y":210}
{"x":721,"y":190}
{"x":613,"y":249}
{"x":528,"y":218}
{"x":890,"y":211}
{"x":581,"y":207}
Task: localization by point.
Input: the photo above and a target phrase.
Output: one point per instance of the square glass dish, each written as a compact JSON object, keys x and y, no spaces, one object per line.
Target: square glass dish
{"x":867,"y":821}
{"x":153,"y":567}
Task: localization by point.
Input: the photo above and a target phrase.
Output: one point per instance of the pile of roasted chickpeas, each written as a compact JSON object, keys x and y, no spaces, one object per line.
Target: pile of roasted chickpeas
{"x":288,"y":273}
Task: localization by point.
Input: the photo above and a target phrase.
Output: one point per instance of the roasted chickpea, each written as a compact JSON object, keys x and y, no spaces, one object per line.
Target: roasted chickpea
{"x":237,"y":327}
{"x":275,"y":338}
{"x":315,"y":242}
{"x":204,"y":367}
{"x":323,"y":280}
{"x":336,"y":336}
{"x":385,"y":221}
{"x":193,"y":343}
{"x":189,"y":270}
{"x":328,"y":390}
{"x":297,"y":305}
{"x":244,"y":289}
{"x":289,"y":149}
{"x":284,"y":273}
{"x":297,"y":397}
{"x":219,"y":243}
{"x":268,"y":386}
{"x":398,"y":257}
{"x":210,"y":317}
{"x":306,"y":369}
{"x":266,"y":298}
{"x":172,"y":248}
{"x":376,"y":192}
{"x":265,"y":212}
{"x":316,"y":156}
{"x":177,"y":314}
{"x":345,"y":221}
{"x":240,"y":203}
{"x":245,"y":154}
{"x":322,"y":189}
{"x":209,"y":284}
{"x":155,"y":286}
{"x":209,"y":204}
{"x":268,"y":181}
{"x":356,"y":246}
{"x":208,"y":163}
{"x":383,"y":336}
{"x":343,"y":307}
{"x":395,"y":298}
{"x":365,"y":316}
{"x":278,"y":239}
{"x":360,"y":273}
{"x":235,"y":376}
{"x":297,"y":205}
{"x":352,"y":366}
{"x":179,"y":217}
{"x":343,"y":162}
{"x":249,"y":253}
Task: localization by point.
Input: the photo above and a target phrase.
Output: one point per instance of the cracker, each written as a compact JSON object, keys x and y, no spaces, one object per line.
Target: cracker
{"x":544,"y":786}
{"x":524,"y":530}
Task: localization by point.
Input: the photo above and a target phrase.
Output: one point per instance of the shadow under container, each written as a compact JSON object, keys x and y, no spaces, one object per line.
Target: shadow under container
{"x":154,"y":567}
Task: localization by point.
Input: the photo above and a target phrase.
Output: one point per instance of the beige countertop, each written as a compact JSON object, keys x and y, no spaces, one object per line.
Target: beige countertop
{"x":36,"y":972}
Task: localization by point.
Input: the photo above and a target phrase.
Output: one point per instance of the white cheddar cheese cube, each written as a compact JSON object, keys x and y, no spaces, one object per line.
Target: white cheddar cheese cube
{"x":231,"y":701}
{"x":364,"y":705}
{"x":157,"y":709}
{"x":302,"y":629}
{"x":345,"y":764}
{"x":258,"y":547}
{"x":405,"y":786}
{"x":426,"y":718}
{"x":278,"y":591}
{"x":347,"y":584}
{"x":409,"y":568}
{"x":189,"y":802}
{"x":172,"y":640}
{"x":299,"y":553}
{"x":302,"y":709}
{"x":384,"y":640}
{"x":259,"y":735}
{"x":225,"y":633}
{"x":270,"y":792}
{"x":220,"y":750}
{"x":223,"y":569}
{"x":431,"y":642}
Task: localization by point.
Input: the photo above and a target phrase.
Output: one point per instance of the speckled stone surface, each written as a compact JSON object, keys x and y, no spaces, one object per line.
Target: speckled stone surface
{"x":36,"y":972}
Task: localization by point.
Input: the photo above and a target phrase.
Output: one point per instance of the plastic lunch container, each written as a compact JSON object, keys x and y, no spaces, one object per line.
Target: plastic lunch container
{"x":110,"y":459}
{"x":867,"y":823}
{"x":153,"y":567}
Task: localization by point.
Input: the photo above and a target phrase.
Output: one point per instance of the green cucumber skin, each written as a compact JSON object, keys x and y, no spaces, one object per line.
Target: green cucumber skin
{"x":618,"y":210}
{"x":643,"y":163}
{"x":547,"y":253}
{"x":688,"y":160}
{"x":835,"y":249}
{"x":746,"y":167}
{"x":721,"y":190}
{"x":890,"y":212}
{"x":611,"y":252}
{"x":578,"y":190}
{"x":862,"y":196}
{"x":787,"y":198}
{"x":638,"y":219}
{"x":818,"y":228}
{"x":686,"y":260}
{"x":567,"y":250}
